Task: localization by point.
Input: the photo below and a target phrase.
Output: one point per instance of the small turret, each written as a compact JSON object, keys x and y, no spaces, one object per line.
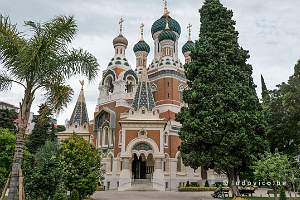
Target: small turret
{"x":120,"y":42}
{"x":167,"y":39}
{"x":141,"y":50}
{"x":188,"y":46}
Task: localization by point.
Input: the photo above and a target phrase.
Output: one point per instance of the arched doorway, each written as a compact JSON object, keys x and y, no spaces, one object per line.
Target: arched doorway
{"x":142,"y":166}
{"x":139,"y":167}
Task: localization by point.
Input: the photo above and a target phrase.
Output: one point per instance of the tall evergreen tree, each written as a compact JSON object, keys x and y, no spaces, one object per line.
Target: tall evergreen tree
{"x":43,"y":130}
{"x":284,"y":116}
{"x":222,"y":124}
{"x":264,"y":90}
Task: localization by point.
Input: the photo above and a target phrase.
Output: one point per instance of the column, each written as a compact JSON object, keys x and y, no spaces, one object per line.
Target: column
{"x":158,"y":175}
{"x":125,"y":175}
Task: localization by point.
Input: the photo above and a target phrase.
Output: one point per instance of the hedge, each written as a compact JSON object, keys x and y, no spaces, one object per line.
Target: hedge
{"x":196,"y":189}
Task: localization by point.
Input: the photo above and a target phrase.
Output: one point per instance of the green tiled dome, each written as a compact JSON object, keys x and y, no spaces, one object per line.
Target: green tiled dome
{"x":188,"y":46}
{"x":167,"y":35}
{"x":160,"y":25}
{"x":141,"y":46}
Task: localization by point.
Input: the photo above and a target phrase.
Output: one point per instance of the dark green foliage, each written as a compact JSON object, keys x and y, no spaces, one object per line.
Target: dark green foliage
{"x":81,"y":163}
{"x":75,"y":195}
{"x":282,"y":195}
{"x":283,"y":116}
{"x":7,"y":146}
{"x":206,"y":184}
{"x":222,"y":125}
{"x":43,"y":130}
{"x":7,"y":118}
{"x":264,"y":91}
{"x":43,"y":172}
{"x":60,"y":128}
{"x":60,"y":195}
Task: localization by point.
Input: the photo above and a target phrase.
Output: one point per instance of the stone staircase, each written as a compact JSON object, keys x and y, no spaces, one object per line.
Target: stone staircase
{"x":141,"y":185}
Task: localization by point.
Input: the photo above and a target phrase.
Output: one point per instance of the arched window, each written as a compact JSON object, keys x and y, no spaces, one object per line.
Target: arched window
{"x":179,"y":163}
{"x":166,"y":139}
{"x":105,"y":135}
{"x":129,"y":84}
{"x":109,"y":85}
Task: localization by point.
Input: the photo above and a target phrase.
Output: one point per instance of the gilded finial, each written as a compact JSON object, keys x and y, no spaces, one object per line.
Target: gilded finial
{"x":189,"y":27}
{"x":121,"y":25}
{"x":166,"y":12}
{"x":142,"y":31}
{"x":81,"y":83}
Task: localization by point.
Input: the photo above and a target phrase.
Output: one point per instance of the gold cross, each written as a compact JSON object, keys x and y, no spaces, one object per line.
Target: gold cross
{"x":189,"y":30}
{"x":142,"y":31}
{"x":121,"y":24}
{"x":166,"y":12}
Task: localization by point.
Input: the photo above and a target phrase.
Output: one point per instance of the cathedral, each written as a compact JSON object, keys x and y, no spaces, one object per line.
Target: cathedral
{"x":134,"y":121}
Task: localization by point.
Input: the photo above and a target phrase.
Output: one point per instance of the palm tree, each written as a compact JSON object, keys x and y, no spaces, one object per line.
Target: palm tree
{"x":44,"y":62}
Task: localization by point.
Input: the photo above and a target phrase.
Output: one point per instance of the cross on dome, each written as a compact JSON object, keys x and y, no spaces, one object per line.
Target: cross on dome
{"x":166,"y":11}
{"x":189,"y":31}
{"x":121,"y":25}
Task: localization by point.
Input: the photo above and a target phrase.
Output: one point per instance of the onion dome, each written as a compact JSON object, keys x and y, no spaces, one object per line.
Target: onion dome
{"x":120,"y":39}
{"x":167,"y":35}
{"x":160,"y":24}
{"x":188,"y":46}
{"x":141,"y":46}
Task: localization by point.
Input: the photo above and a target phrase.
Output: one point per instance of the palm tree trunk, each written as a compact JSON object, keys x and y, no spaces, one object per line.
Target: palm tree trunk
{"x":20,"y":142}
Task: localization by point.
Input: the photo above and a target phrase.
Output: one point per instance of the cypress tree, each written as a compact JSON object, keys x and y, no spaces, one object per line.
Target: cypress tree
{"x":264,"y":90}
{"x":222,"y":124}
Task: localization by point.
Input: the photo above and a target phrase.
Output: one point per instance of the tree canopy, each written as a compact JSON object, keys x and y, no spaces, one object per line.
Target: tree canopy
{"x":7,"y":118}
{"x":283,"y":116}
{"x":42,"y":130}
{"x":275,"y":169}
{"x":81,"y":162}
{"x":43,"y":172}
{"x":41,"y":61}
{"x":222,"y":124}
{"x":7,"y":145}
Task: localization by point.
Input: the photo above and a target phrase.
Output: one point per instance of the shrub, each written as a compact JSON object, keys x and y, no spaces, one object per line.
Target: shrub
{"x":282,"y":195}
{"x":206,"y":184}
{"x":60,"y":196}
{"x":195,"y":184}
{"x":219,"y":184}
{"x":196,"y":189}
{"x":75,"y":195}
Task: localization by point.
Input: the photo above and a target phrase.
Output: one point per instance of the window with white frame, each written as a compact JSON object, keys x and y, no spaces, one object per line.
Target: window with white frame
{"x":166,"y":139}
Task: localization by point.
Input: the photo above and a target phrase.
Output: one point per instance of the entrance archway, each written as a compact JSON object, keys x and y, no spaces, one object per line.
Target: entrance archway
{"x":142,"y":167}
{"x":139,"y":167}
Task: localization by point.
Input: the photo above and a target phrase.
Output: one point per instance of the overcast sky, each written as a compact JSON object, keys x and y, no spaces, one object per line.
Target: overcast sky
{"x":269,"y":29}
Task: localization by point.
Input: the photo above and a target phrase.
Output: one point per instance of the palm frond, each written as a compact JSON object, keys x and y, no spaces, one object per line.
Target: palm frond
{"x":35,"y":26}
{"x":61,"y":29}
{"x":5,"y":81}
{"x":79,"y":62}
{"x":11,"y":43}
{"x":58,"y":96}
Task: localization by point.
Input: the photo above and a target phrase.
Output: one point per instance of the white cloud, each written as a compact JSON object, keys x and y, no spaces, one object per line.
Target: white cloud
{"x":268,"y":29}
